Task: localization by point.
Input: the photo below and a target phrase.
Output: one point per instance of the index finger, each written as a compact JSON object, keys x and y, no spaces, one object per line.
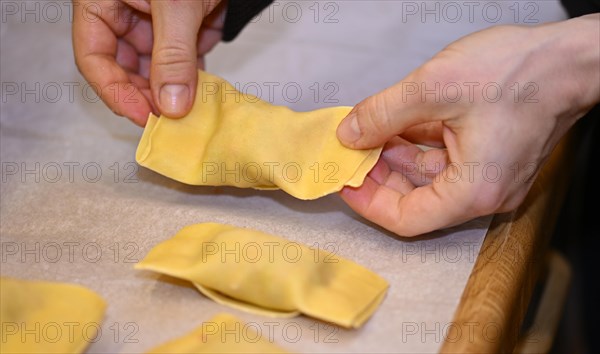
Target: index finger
{"x":96,"y":25}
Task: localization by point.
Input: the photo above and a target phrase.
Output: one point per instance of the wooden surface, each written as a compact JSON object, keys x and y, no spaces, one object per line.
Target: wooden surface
{"x":498,"y":292}
{"x":540,"y":334}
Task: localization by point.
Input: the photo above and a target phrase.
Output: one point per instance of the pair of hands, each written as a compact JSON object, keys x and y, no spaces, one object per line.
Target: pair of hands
{"x":492,"y":105}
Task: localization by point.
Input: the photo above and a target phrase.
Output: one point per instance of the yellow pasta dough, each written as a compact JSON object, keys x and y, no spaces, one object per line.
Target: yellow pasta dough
{"x":236,"y":139}
{"x":221,"y":334}
{"x":45,"y":317}
{"x":266,"y":274}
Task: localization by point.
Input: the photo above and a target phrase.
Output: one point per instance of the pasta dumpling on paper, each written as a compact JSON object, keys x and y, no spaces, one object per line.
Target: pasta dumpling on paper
{"x":221,"y":334}
{"x":48,"y":317}
{"x":236,"y":139}
{"x":265,"y":274}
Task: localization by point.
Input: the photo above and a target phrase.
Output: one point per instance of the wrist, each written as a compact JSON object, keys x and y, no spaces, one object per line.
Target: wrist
{"x":577,"y":42}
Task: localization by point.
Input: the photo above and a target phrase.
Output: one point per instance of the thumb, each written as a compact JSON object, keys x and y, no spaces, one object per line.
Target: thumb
{"x":384,"y":115}
{"x":173,"y":73}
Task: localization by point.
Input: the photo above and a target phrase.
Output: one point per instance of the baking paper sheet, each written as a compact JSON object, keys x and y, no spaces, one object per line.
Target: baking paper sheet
{"x":76,"y":208}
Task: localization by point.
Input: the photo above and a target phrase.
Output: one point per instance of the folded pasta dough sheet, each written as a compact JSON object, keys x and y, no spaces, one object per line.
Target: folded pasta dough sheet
{"x":269,"y":275}
{"x":236,"y":139}
{"x":45,"y":317}
{"x":221,"y":334}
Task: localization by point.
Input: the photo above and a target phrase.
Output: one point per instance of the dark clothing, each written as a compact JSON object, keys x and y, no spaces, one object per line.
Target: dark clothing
{"x":239,"y":13}
{"x":577,"y":8}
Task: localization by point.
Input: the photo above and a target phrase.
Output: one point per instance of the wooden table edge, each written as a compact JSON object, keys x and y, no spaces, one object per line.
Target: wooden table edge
{"x":493,"y":305}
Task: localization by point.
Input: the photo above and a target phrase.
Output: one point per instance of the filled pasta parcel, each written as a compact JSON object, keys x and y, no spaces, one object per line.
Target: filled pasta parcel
{"x":269,"y":275}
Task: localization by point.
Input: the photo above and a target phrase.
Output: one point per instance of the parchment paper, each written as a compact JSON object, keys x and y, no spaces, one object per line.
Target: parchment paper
{"x":76,"y":208}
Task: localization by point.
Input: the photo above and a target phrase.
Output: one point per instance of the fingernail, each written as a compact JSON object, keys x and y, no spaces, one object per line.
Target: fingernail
{"x":349,"y":131}
{"x":174,"y":99}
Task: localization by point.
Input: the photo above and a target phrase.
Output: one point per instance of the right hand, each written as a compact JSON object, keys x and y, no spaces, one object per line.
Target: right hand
{"x":142,"y":56}
{"x":543,"y":79}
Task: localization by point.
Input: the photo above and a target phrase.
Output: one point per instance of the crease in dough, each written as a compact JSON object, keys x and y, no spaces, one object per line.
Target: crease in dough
{"x":223,"y":333}
{"x":58,"y":312}
{"x":268,"y":275}
{"x":236,"y":139}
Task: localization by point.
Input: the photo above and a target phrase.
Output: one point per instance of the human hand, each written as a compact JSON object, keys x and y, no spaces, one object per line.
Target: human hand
{"x":142,"y":56}
{"x":504,"y":98}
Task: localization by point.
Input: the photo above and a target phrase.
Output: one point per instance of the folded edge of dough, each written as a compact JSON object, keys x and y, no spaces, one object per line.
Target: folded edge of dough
{"x":243,"y":306}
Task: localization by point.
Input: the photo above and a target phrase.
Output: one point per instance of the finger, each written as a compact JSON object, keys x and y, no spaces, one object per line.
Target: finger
{"x":379,"y":177}
{"x":144,"y":87}
{"x":211,"y":33}
{"x":429,"y":134}
{"x":419,"y":211}
{"x":140,"y":35}
{"x":208,"y":39}
{"x":376,"y":119}
{"x":418,"y":166}
{"x":140,"y":5}
{"x":383,"y":175}
{"x":127,"y":57}
{"x":173,"y":73}
{"x":144,"y":68}
{"x":216,"y":18}
{"x":95,"y":46}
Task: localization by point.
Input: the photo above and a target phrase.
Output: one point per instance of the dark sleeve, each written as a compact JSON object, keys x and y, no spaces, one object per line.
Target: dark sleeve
{"x":239,"y":13}
{"x":577,"y":8}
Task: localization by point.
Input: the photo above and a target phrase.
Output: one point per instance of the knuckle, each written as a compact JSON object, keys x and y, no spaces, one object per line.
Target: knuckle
{"x":174,"y":54}
{"x":443,"y":70}
{"x":436,"y":69}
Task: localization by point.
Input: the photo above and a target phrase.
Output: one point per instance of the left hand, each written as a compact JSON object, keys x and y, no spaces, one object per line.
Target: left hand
{"x":142,"y":56}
